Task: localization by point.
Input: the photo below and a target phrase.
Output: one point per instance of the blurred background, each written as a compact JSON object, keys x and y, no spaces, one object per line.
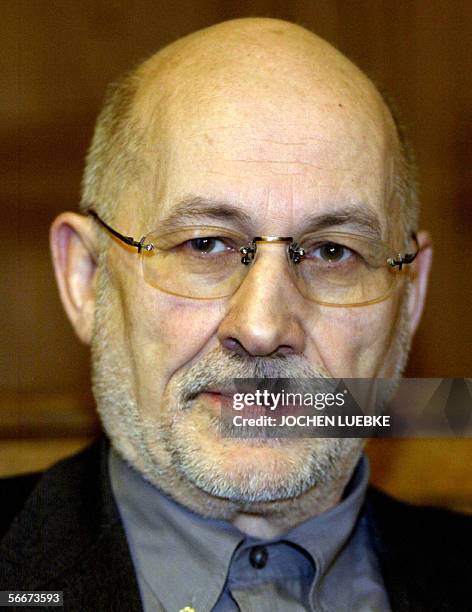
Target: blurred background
{"x":58,"y":57}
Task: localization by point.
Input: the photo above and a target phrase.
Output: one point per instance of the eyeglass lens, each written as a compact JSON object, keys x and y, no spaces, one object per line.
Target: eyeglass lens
{"x":205,"y":262}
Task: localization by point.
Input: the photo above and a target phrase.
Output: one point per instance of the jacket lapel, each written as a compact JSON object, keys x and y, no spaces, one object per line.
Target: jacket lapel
{"x":69,"y":537}
{"x":422,"y":554}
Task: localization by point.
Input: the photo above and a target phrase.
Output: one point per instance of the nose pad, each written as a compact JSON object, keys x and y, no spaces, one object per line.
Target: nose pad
{"x":295,"y":252}
{"x":248,"y":253}
{"x":286,"y":273}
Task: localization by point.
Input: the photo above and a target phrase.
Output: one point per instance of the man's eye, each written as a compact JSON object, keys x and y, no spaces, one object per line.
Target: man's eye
{"x":331,"y":252}
{"x":207,"y":245}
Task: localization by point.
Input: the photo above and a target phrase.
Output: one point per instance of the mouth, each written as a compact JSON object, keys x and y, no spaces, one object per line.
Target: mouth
{"x":221,"y":402}
{"x":216,"y":398}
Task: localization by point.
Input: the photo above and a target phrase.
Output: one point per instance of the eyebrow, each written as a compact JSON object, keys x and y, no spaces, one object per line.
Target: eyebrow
{"x":195,"y":208}
{"x":356,"y":216}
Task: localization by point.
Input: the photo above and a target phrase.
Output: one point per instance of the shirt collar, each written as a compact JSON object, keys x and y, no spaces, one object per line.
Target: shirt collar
{"x":184,"y":558}
{"x":323,"y":536}
{"x":174,"y":549}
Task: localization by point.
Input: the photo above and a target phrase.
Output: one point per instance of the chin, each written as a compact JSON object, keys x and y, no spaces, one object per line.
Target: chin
{"x":249,"y":483}
{"x":251,"y":470}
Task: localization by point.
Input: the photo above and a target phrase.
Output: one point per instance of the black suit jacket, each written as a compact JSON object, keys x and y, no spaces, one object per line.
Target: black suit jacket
{"x":61,"y":531}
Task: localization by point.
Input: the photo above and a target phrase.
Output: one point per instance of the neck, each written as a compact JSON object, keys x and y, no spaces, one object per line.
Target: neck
{"x":272,"y":519}
{"x":259,"y":519}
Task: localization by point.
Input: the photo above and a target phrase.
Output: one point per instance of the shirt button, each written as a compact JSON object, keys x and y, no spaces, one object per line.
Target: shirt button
{"x":258,"y":556}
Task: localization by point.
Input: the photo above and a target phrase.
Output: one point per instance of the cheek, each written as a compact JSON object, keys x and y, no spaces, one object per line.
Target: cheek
{"x":167,"y":333}
{"x":353,"y":342}
{"x":181,"y":327}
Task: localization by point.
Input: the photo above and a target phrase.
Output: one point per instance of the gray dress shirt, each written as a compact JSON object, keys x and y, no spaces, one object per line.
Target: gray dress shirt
{"x":184,"y":561}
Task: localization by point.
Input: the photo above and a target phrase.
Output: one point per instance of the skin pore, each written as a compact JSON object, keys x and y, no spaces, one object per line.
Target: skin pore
{"x":261,"y":117}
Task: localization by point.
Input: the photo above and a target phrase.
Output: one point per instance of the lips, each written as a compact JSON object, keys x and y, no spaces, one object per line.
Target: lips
{"x":217,"y":391}
{"x":217,"y":397}
{"x":223,"y":399}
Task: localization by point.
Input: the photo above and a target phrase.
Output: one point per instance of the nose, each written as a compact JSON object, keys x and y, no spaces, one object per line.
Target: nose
{"x":265,"y":315}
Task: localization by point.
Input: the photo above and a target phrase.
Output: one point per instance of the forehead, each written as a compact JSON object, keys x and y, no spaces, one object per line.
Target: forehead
{"x":279,"y":149}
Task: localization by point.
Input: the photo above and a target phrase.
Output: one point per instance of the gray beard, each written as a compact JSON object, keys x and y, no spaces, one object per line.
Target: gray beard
{"x":171,"y":462}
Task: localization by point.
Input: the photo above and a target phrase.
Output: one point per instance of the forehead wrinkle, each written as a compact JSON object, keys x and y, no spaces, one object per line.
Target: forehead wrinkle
{"x":298,"y":162}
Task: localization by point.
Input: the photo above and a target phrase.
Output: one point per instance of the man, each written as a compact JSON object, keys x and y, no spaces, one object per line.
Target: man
{"x":251,"y":128}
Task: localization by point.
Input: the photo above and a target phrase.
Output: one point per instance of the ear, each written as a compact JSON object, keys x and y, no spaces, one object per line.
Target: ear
{"x":74,"y":255}
{"x":419,"y":282}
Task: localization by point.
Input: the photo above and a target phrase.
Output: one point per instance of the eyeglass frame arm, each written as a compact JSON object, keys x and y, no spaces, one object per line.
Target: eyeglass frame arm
{"x":407,"y":258}
{"x":248,"y":252}
{"x":129,"y":240}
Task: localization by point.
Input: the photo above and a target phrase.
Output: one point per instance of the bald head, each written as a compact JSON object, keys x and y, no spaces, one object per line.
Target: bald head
{"x":251,"y":56}
{"x":254,"y":80}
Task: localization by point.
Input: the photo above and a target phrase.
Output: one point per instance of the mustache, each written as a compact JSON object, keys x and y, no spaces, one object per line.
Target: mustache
{"x":219,"y":369}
